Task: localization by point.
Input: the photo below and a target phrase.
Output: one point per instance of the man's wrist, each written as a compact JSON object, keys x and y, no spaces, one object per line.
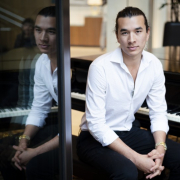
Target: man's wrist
{"x":136,"y":158}
{"x":24,"y":138}
{"x":161,"y":144}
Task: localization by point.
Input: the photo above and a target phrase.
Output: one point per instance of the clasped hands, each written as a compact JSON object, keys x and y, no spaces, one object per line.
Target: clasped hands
{"x":22,"y":155}
{"x":151,"y":163}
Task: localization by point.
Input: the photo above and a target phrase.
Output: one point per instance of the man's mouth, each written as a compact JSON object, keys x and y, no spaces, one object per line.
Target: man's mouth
{"x":132,"y":48}
{"x":44,"y":46}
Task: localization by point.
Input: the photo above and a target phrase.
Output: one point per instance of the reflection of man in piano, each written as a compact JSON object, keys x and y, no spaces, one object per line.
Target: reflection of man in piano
{"x":45,"y":165}
{"x":118,"y":82}
{"x":26,"y":38}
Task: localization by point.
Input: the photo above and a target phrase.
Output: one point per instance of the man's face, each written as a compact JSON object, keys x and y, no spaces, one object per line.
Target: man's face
{"x":45,"y":34}
{"x":27,"y":29}
{"x":132,"y":35}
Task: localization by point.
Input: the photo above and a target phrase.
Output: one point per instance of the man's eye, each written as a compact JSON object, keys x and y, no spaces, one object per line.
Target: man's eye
{"x":51,"y":32}
{"x":138,"y":32}
{"x":38,"y":30}
{"x":124,"y":33}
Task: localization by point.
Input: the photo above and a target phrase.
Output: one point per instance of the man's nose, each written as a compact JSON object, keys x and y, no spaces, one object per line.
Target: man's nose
{"x":43,"y":36}
{"x":132,"y":38}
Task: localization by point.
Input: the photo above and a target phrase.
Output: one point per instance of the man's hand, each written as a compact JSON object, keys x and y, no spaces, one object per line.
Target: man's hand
{"x":26,"y":155}
{"x":23,"y":145}
{"x":157,"y":171}
{"x":157,"y":155}
{"x":144,"y":163}
{"x":30,"y":131}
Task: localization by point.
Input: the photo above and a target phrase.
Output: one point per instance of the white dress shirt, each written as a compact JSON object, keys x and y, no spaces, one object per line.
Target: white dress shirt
{"x":45,"y":89}
{"x":112,"y":97}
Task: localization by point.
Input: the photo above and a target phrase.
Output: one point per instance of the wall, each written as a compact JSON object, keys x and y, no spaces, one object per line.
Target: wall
{"x":78,"y":14}
{"x":87,"y":35}
{"x":85,"y":25}
{"x":159,"y":18}
{"x":114,"y":6}
{"x":25,"y":9}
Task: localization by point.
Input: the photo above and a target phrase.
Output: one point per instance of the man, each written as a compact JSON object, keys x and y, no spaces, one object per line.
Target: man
{"x":118,"y":83}
{"x":26,"y":37}
{"x":43,"y":166}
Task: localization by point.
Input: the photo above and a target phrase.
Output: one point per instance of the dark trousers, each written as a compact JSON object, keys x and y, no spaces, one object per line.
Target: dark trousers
{"x":118,"y":167}
{"x":41,"y":167}
{"x":44,"y":166}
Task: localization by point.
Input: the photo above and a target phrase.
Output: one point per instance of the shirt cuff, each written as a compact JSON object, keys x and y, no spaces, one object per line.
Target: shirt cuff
{"x":108,"y":137}
{"x":159,"y":126}
{"x":32,"y":120}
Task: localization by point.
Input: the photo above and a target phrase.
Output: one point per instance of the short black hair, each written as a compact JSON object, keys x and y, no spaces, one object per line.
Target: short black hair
{"x":29,"y":21}
{"x":48,"y":11}
{"x":129,"y":12}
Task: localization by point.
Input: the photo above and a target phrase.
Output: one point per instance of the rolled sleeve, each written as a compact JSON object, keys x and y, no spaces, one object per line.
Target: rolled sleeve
{"x":36,"y":121}
{"x":41,"y":103}
{"x":95,"y":106}
{"x":157,"y":103}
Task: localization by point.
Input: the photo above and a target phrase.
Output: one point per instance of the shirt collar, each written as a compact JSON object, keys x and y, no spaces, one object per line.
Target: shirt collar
{"x":118,"y":57}
{"x":144,"y":61}
{"x":47,"y":62}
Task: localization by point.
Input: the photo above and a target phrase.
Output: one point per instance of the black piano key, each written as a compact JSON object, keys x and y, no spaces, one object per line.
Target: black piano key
{"x":175,"y":111}
{"x":171,"y":107}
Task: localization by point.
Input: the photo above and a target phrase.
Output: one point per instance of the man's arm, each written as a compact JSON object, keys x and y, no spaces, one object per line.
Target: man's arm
{"x":41,"y":106}
{"x":30,"y":130}
{"x":159,"y":122}
{"x":29,"y":153}
{"x":142,"y":162}
{"x":156,"y":101}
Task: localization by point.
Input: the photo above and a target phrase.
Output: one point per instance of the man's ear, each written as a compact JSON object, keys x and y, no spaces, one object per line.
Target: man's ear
{"x":148,"y":32}
{"x":117,"y":37}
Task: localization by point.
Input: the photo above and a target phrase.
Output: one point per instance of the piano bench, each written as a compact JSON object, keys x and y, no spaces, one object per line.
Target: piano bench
{"x":85,"y":171}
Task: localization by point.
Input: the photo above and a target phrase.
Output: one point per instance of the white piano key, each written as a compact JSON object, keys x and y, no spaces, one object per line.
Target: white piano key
{"x":78,"y":96}
{"x":19,"y":111}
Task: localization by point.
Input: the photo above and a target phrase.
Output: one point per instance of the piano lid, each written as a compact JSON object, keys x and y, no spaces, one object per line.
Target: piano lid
{"x":169,"y":57}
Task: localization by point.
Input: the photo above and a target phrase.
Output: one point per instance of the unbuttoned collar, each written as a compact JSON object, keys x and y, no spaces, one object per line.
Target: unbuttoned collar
{"x":118,"y":58}
{"x":47,"y":63}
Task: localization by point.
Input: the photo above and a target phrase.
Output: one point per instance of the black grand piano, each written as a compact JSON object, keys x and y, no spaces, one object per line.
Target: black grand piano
{"x":171,"y":67}
{"x":17,"y":92}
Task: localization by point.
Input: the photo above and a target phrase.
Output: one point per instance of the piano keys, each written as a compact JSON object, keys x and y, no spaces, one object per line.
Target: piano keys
{"x":17,"y":111}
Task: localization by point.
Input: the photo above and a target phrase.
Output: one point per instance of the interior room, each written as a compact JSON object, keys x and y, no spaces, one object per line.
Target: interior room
{"x":91,"y":34}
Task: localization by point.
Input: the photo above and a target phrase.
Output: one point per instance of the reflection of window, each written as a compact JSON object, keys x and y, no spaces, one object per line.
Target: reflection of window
{"x":94,"y":2}
{"x":78,"y":2}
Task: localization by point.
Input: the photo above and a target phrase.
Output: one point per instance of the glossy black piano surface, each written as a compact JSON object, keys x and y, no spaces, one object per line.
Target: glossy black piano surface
{"x":79,"y":67}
